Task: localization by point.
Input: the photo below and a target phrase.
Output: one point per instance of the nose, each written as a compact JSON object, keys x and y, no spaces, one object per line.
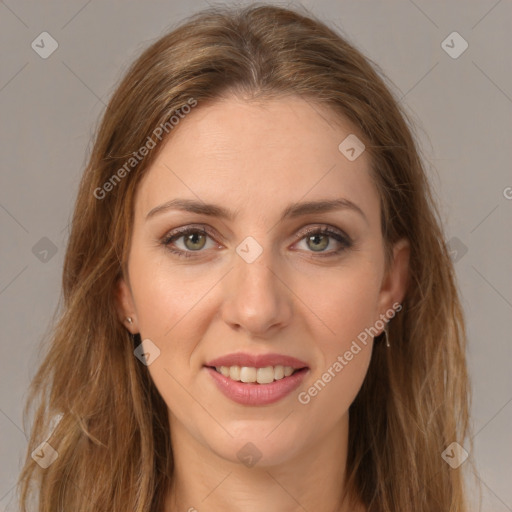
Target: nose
{"x":256,"y":298}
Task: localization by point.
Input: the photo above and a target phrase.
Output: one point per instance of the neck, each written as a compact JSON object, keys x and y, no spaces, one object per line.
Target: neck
{"x":312,"y":479}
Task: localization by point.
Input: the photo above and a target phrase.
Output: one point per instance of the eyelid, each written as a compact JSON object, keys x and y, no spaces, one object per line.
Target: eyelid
{"x":325,"y":227}
{"x":213,"y":233}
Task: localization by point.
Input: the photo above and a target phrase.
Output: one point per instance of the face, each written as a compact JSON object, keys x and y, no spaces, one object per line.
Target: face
{"x":267,"y":289}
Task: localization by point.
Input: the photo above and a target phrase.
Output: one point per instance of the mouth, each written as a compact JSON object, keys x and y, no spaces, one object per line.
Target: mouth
{"x":252,"y":375}
{"x":257,"y":379}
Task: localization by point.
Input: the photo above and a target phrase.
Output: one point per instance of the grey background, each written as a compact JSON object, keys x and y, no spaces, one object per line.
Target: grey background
{"x":50,"y":107}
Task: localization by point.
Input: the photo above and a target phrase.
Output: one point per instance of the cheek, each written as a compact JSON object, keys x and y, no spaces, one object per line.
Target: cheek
{"x":167,"y":296}
{"x":345,"y":302}
{"x":344,"y":348}
{"x":169,"y":305}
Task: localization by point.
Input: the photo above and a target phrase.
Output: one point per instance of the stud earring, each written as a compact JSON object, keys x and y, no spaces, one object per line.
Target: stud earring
{"x":130,"y":321}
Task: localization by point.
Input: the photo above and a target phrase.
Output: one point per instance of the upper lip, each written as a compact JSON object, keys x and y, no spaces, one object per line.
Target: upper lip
{"x":257,"y":361}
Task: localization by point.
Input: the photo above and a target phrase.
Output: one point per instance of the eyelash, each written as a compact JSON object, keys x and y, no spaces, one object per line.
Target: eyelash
{"x":342,"y":239}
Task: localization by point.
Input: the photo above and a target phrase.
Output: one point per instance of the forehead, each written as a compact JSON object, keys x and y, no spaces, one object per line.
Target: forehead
{"x":250,"y":155}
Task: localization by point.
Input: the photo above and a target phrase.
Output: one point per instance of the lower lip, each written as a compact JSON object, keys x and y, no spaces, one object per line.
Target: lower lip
{"x":257,"y":394}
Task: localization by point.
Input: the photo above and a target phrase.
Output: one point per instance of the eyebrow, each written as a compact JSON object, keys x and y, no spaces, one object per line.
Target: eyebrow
{"x":292,"y":211}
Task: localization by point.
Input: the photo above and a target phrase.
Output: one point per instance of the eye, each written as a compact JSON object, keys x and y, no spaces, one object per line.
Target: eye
{"x":317,"y":240}
{"x":195,"y":239}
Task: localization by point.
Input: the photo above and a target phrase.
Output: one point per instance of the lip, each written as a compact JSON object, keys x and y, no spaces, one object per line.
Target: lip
{"x":252,"y":393}
{"x":257,"y":394}
{"x":257,"y":361}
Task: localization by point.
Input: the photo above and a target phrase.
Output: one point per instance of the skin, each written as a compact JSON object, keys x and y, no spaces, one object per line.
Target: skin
{"x":256,"y":158}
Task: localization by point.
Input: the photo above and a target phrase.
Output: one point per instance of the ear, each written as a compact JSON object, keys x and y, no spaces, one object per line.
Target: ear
{"x":125,"y":305}
{"x":394,"y":284}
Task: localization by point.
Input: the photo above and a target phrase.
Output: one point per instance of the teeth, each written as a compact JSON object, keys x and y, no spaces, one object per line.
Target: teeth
{"x":248,"y":374}
{"x":278,"y":372}
{"x":260,"y":375}
{"x":234,"y":372}
{"x":265,"y":375}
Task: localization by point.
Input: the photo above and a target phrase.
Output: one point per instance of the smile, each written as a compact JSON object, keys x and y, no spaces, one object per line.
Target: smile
{"x":249,"y":374}
{"x":250,"y":379}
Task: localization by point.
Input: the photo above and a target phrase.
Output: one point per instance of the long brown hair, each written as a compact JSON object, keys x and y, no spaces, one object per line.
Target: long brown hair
{"x":113,"y":441}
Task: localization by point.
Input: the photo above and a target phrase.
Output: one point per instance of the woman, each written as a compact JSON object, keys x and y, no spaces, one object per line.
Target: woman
{"x":259,"y":307}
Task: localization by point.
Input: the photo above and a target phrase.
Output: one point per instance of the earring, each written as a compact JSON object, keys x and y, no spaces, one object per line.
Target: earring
{"x":130,"y":321}
{"x":385,"y":333}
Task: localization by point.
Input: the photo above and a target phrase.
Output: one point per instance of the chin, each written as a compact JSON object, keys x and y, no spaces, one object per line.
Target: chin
{"x":260,"y":444}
